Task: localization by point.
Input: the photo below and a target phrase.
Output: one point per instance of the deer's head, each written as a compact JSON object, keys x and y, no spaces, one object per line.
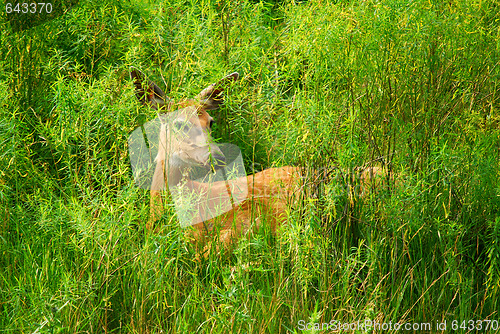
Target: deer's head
{"x":185,"y":135}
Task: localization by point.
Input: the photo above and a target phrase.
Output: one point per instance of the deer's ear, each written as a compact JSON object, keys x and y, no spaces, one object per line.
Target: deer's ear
{"x":212,"y":97}
{"x":147,"y":91}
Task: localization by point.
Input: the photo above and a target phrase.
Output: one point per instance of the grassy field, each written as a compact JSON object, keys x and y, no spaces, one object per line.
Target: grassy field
{"x":411,"y":85}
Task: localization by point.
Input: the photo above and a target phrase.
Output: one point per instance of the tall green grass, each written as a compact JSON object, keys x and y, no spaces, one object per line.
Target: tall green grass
{"x":409,"y":85}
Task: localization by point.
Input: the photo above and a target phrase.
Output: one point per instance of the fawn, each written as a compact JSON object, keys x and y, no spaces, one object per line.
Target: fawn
{"x":267,"y":194}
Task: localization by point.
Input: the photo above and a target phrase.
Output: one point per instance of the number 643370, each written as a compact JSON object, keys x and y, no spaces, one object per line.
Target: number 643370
{"x":28,"y":8}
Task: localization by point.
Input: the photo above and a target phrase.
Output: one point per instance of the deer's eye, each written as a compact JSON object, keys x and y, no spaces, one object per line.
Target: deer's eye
{"x":182,"y":126}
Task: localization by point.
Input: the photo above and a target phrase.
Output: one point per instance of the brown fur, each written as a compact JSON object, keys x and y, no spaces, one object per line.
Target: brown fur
{"x":270,"y":192}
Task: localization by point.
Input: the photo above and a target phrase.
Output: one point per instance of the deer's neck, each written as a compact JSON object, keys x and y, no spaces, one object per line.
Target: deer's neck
{"x":176,"y":171}
{"x":170,"y":164}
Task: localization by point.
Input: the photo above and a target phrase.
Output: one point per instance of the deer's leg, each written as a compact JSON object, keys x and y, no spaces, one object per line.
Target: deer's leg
{"x":223,"y":230}
{"x":156,"y":201}
{"x":156,"y":209}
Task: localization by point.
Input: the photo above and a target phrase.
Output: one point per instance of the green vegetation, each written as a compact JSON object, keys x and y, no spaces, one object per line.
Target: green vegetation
{"x":413,"y":85}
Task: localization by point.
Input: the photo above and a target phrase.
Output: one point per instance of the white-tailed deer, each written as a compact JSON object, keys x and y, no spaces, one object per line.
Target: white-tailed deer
{"x":268,"y":193}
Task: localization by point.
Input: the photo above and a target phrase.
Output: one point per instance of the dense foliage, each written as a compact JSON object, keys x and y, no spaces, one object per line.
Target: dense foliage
{"x":410,"y":85}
